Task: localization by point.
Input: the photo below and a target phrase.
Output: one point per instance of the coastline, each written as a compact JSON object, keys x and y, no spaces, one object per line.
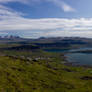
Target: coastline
{"x":74,"y":64}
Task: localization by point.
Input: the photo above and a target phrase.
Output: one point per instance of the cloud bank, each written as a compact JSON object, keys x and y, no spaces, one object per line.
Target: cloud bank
{"x":13,"y":21}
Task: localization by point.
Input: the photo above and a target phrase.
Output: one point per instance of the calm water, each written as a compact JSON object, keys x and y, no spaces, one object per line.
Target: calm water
{"x":67,"y":50}
{"x":57,"y":50}
{"x":78,"y":58}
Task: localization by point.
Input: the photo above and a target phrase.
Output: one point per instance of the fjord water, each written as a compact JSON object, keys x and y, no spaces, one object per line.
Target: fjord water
{"x":77,"y":58}
{"x":80,"y":58}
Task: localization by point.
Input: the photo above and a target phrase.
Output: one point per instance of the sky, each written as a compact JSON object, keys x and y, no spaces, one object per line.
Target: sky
{"x":46,"y":18}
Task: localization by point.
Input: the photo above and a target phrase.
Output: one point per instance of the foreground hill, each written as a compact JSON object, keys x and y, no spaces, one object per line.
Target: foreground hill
{"x":18,"y":75}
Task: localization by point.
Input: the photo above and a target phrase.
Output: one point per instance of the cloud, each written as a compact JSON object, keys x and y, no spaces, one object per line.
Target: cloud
{"x":64,"y":6}
{"x":21,"y":1}
{"x":20,"y":23}
{"x":14,"y":22}
{"x":6,"y":12}
{"x":11,"y":21}
{"x":67,"y":8}
{"x":60,"y":3}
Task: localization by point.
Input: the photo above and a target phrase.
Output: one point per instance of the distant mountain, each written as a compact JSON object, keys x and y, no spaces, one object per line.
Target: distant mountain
{"x":46,"y":42}
{"x":10,"y":37}
{"x":63,"y":42}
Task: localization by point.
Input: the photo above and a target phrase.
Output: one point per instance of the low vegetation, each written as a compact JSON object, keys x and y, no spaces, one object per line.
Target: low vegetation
{"x":17,"y":75}
{"x":28,"y":70}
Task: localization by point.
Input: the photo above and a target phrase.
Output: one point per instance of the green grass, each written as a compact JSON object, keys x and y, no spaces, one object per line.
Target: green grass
{"x":42,"y":76}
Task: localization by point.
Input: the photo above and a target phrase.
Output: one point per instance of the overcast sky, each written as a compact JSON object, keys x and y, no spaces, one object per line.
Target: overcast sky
{"x":49,"y":18}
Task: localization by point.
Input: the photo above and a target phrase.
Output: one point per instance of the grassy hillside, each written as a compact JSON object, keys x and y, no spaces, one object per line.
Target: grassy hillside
{"x":18,"y":75}
{"x":25,"y":67}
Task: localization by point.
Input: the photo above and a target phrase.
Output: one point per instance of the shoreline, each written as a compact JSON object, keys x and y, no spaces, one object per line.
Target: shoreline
{"x":74,"y":64}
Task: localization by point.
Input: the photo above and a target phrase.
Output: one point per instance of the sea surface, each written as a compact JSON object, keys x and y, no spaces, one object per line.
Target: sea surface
{"x":77,"y":58}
